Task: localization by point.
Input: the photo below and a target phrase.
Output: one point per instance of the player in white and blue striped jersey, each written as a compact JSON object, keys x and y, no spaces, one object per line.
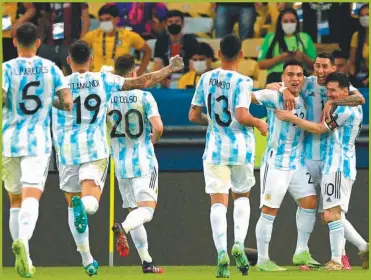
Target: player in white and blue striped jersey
{"x":80,"y":138}
{"x":230,"y":148}
{"x":134,"y":124}
{"x":31,"y":85}
{"x":339,"y":166}
{"x":283,"y":169}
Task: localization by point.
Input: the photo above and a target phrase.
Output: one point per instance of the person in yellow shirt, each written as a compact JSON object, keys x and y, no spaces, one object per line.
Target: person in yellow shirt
{"x":11,"y":20}
{"x":109,"y":41}
{"x":359,"y":56}
{"x":200,"y":63}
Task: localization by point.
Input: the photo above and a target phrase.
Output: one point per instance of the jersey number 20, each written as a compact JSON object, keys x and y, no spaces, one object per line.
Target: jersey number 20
{"x":114,"y":134}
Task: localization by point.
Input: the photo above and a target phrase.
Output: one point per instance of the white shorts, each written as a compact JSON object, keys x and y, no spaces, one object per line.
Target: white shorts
{"x":25,"y":171}
{"x":139,"y":189}
{"x":71,"y":176}
{"x":335,"y":191}
{"x":314,"y":168}
{"x":274,"y":183}
{"x":220,"y":178}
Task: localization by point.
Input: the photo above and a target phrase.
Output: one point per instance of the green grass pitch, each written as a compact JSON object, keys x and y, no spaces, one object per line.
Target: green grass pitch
{"x":182,"y":273}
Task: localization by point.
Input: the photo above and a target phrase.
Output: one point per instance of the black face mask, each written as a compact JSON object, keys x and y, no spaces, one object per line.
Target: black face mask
{"x":174,"y":29}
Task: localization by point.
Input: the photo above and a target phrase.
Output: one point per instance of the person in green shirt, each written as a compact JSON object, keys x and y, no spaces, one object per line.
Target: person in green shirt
{"x":286,"y":43}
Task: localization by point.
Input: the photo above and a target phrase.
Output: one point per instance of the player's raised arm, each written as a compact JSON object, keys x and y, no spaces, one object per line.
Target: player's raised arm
{"x":63,"y":100}
{"x":147,"y":80}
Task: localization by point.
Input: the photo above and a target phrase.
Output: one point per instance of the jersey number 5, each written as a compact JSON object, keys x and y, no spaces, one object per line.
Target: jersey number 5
{"x":223,"y":99}
{"x":26,"y":97}
{"x":114,"y":134}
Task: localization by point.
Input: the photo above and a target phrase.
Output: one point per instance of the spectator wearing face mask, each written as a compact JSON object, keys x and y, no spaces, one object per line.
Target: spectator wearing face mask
{"x":174,"y":42}
{"x":286,"y":43}
{"x":359,"y":56}
{"x":199,"y":64}
{"x":342,"y":66}
{"x":110,"y":41}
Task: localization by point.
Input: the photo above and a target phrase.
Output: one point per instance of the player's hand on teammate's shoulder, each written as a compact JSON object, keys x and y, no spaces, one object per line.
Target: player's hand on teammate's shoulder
{"x":284,"y":115}
{"x":262,"y":127}
{"x":274,"y":86}
{"x":176,"y":63}
{"x":289,"y":100}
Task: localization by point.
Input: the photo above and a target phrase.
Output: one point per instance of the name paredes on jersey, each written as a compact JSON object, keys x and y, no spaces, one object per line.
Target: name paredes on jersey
{"x":30,"y":71}
{"x":84,"y":85}
{"x":219,"y":84}
{"x":124,"y":99}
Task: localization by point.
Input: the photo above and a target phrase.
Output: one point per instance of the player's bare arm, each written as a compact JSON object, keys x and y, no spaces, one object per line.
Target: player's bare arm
{"x":355,"y":98}
{"x":64,"y":100}
{"x":312,"y":127}
{"x":196,"y":116}
{"x":147,"y":80}
{"x":244,"y":117}
{"x":157,"y":128}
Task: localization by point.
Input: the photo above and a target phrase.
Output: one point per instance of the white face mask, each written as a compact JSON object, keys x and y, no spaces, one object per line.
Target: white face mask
{"x":106,"y":26}
{"x":364,"y":21}
{"x":289,"y":28}
{"x":200,"y":66}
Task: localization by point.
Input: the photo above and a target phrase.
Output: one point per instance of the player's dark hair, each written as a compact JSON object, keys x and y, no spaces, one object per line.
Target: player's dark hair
{"x":124,"y":64}
{"x":26,"y":34}
{"x":174,"y":13}
{"x":292,"y":62}
{"x":326,"y":55}
{"x":80,"y":52}
{"x":341,"y":78}
{"x":109,"y":9}
{"x":230,"y":46}
{"x":339,"y":54}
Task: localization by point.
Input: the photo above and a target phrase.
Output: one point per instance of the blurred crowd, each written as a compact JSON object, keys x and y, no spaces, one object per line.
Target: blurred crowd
{"x":153,"y":32}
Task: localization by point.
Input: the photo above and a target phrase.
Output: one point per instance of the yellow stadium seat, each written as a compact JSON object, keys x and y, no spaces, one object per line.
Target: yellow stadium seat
{"x":251,"y":47}
{"x":328,"y":48}
{"x":214,"y":44}
{"x":192,"y":9}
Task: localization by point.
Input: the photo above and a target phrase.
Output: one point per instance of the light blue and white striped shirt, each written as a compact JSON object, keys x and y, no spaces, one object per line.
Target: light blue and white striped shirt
{"x":130,"y":129}
{"x":30,"y":85}
{"x":285,"y":140}
{"x":315,"y":97}
{"x":227,"y":141}
{"x":81,"y":135}
{"x":340,"y":153}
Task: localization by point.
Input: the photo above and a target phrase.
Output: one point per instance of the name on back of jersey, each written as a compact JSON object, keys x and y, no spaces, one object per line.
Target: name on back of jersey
{"x":84,"y":85}
{"x":30,"y":70}
{"x":124,"y":99}
{"x":219,"y":84}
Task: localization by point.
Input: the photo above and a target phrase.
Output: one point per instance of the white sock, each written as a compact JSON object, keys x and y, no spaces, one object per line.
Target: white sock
{"x":27,"y":218}
{"x":13,"y":223}
{"x":263,"y":233}
{"x":139,"y":236}
{"x":305,"y":220}
{"x":344,"y":243}
{"x":137,"y":217}
{"x":218,"y":220}
{"x":81,"y":240}
{"x":241,"y":218}
{"x":336,"y":239}
{"x":353,"y":236}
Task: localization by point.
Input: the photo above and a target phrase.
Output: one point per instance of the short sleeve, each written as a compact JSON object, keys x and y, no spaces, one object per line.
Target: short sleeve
{"x":59,"y":80}
{"x":338,"y":118}
{"x":268,"y":98}
{"x":150,"y":105}
{"x":354,"y":41}
{"x":243,"y":94}
{"x":112,"y":83}
{"x":6,"y":77}
{"x":265,"y":46}
{"x":198,"y":98}
{"x":137,"y":41}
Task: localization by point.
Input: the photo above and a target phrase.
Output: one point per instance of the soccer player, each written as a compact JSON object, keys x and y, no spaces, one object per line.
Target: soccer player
{"x":80,"y":139}
{"x":31,"y":85}
{"x":339,"y":163}
{"x":315,"y":96}
{"x":229,"y":154}
{"x":283,"y":169}
{"x":130,"y":120}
